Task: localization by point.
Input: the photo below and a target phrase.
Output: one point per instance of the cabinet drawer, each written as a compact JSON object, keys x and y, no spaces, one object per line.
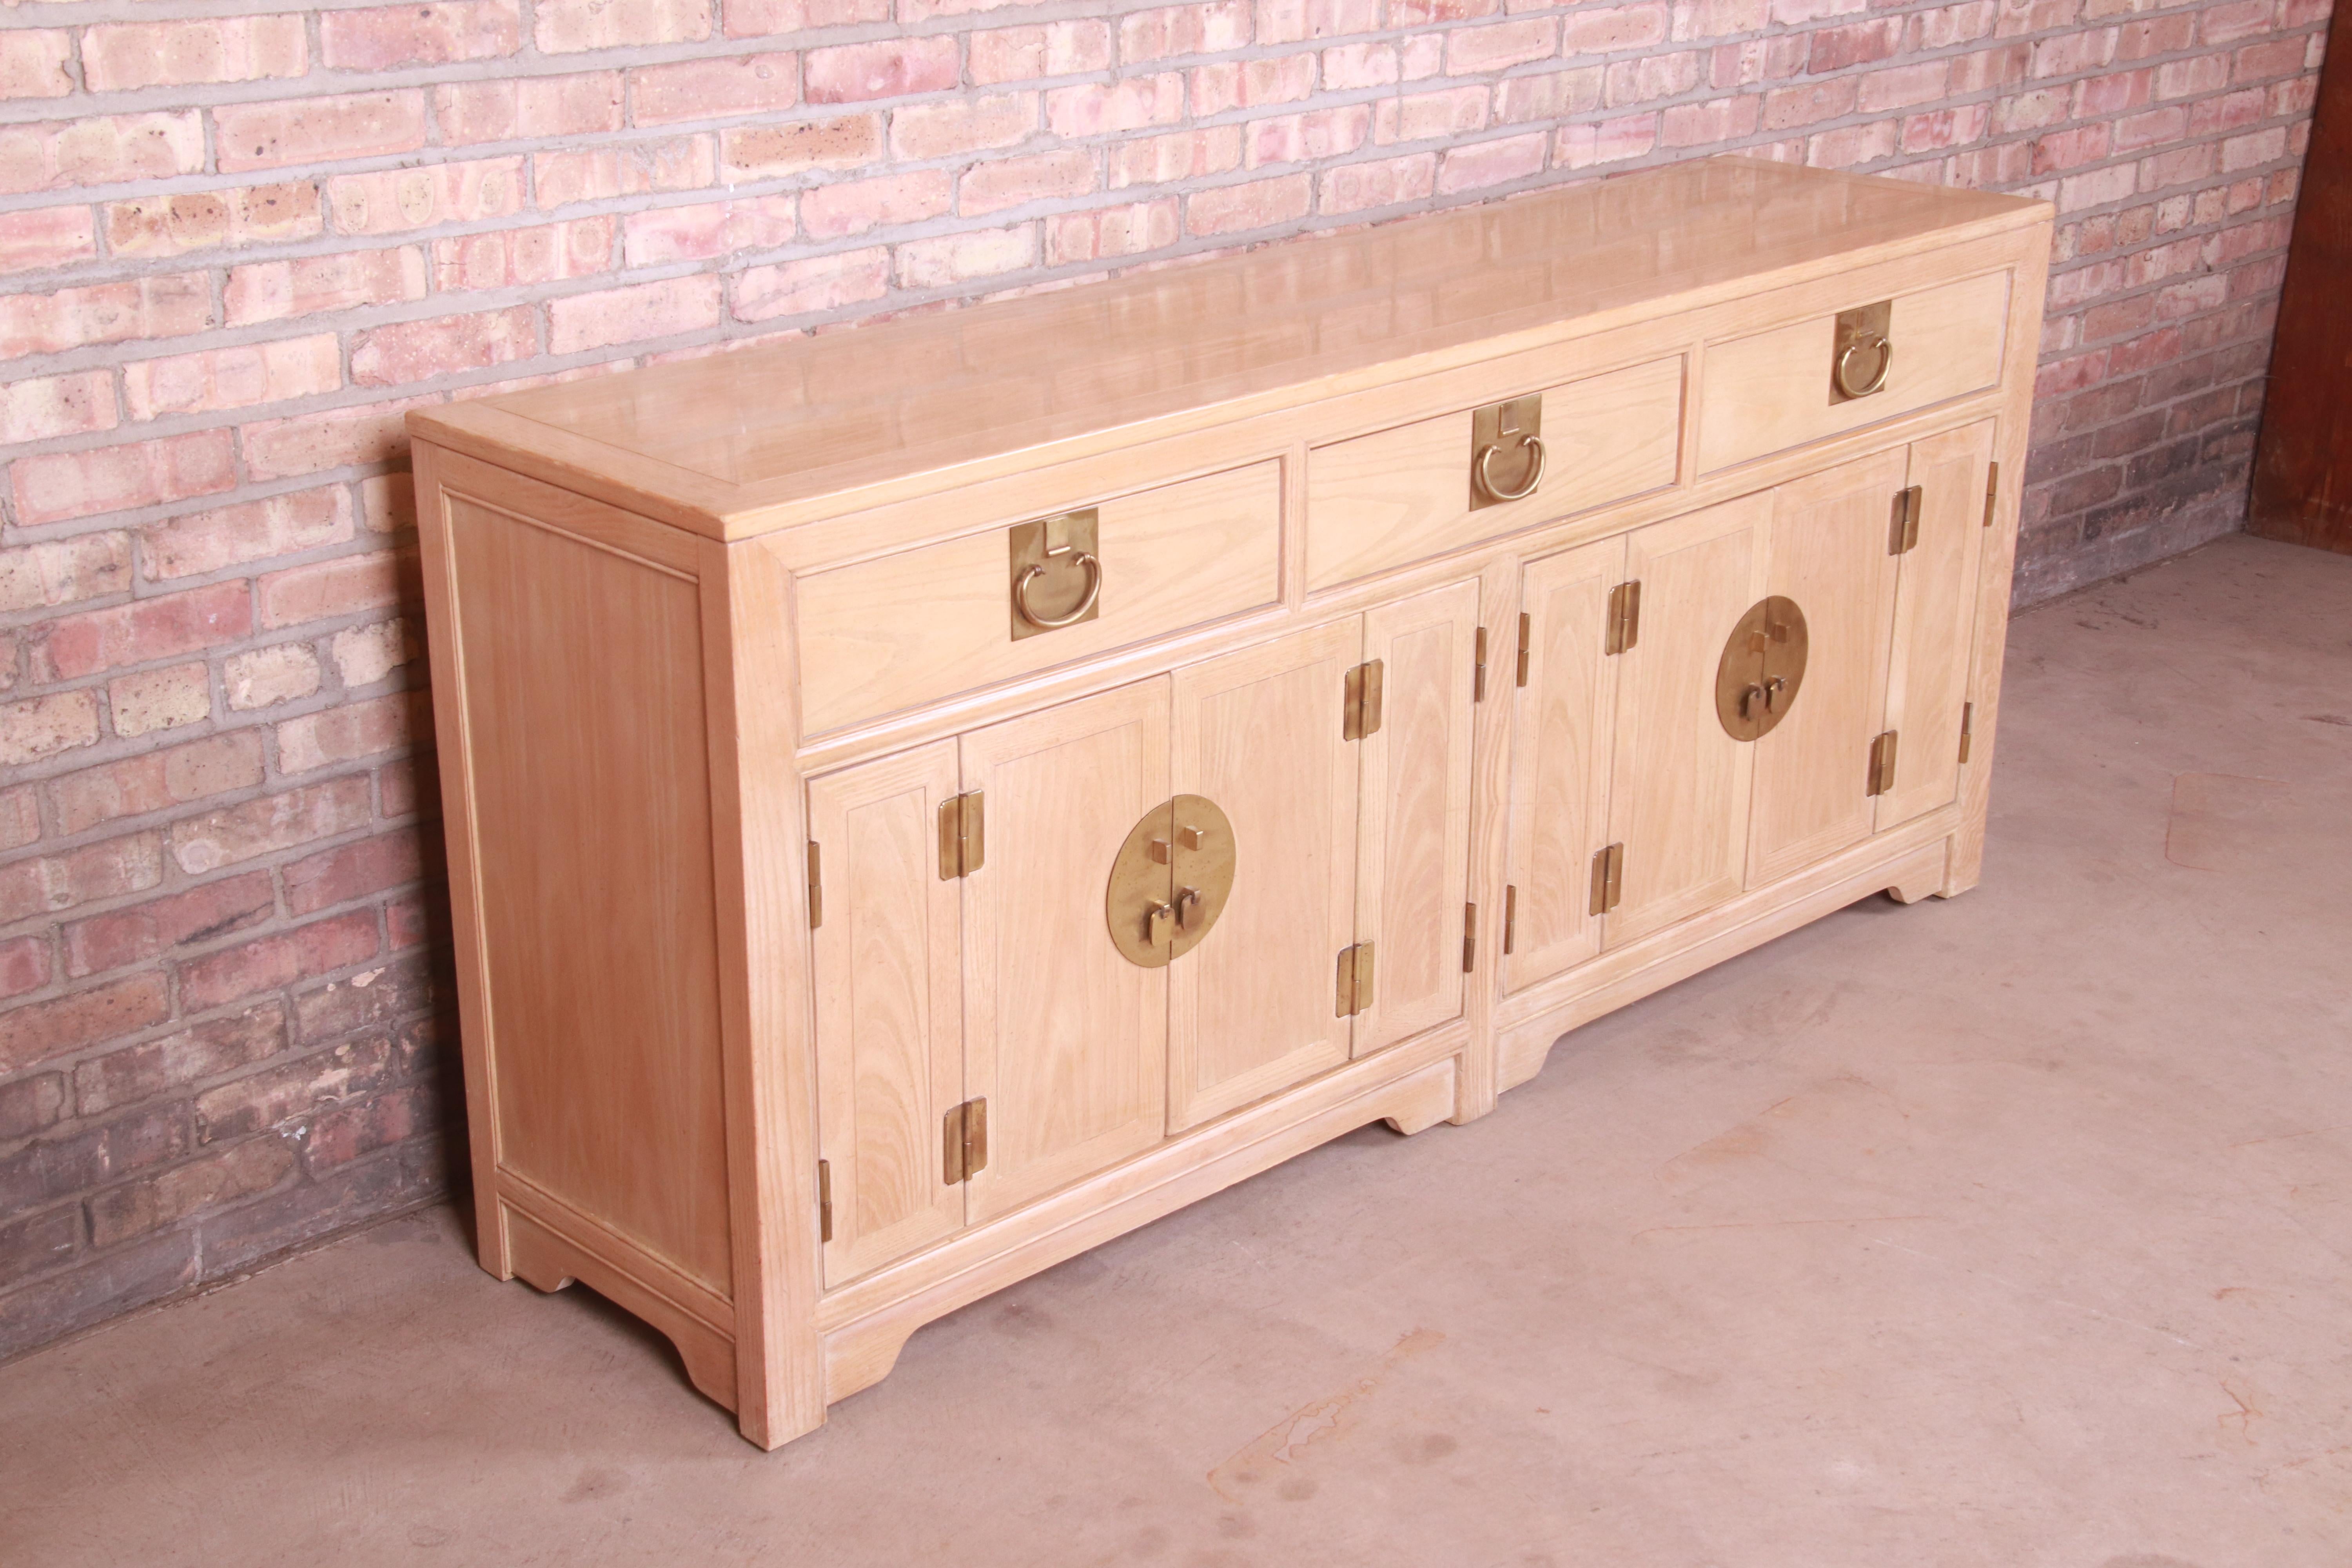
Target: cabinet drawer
{"x":906,"y":629}
{"x":1773,"y":391}
{"x":1383,"y":501}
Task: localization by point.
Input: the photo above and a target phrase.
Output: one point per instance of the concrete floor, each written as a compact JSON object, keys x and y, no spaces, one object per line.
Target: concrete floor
{"x":2015,"y":1230}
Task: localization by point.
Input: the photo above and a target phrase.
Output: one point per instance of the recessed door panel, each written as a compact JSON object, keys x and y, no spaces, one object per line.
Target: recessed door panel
{"x":1935,"y":622}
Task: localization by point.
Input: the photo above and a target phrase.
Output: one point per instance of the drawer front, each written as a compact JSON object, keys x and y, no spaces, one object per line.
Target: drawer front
{"x":1773,"y":391}
{"x":906,"y":629}
{"x":1383,"y":501}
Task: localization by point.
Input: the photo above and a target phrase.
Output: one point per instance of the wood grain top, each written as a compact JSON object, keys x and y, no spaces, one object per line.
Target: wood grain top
{"x":708,"y":443}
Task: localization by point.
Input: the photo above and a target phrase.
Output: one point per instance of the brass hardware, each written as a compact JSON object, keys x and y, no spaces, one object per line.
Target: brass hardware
{"x":1362,"y":717}
{"x":963,"y":836}
{"x":1860,"y":341}
{"x":1968,"y":724}
{"x":816,"y":890}
{"x":1882,"y":763}
{"x":1763,"y":666}
{"x":1469,"y":938}
{"x":1527,"y":635}
{"x":1355,"y":980}
{"x":1992,"y":491}
{"x":1608,"y":879}
{"x":1624,"y":618}
{"x":1478,"y":668}
{"x":824,"y":1200}
{"x":1052,"y":548}
{"x":963,"y":1142}
{"x":1518,"y":422}
{"x":1170,"y":880}
{"x":1510,"y":918}
{"x":1904,"y":535}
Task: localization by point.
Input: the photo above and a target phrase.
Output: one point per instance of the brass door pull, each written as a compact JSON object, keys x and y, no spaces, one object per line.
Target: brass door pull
{"x":1528,"y":442}
{"x":1188,"y":907}
{"x":1762,"y":669}
{"x":1883,"y":352}
{"x":1170,"y":880}
{"x":1086,"y":563}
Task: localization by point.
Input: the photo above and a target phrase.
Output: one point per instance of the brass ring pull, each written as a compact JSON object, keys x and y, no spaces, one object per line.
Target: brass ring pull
{"x":1487,"y":481}
{"x":1088,"y":563}
{"x":1885,"y":347}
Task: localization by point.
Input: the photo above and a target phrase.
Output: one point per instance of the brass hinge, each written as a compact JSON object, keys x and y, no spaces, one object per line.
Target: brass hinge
{"x":1624,"y":618}
{"x":816,"y":890}
{"x":1478,"y":669}
{"x":1882,"y":763}
{"x":1967,"y":725}
{"x":1904,"y":535}
{"x":963,"y":836}
{"x":1363,"y":697}
{"x":1527,"y":635}
{"x":1608,"y":879}
{"x":1510,"y":918}
{"x":1992,"y":491}
{"x":824,"y":1199}
{"x":963,"y":1142}
{"x":1355,"y":990}
{"x":1469,"y":938}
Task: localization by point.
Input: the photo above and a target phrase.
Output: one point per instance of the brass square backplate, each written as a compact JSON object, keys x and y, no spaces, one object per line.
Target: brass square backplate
{"x":1506,"y":450}
{"x":1055,"y":572}
{"x":1861,"y":352}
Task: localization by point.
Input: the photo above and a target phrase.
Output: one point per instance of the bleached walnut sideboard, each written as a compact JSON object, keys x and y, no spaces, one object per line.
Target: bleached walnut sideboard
{"x":928,"y":798}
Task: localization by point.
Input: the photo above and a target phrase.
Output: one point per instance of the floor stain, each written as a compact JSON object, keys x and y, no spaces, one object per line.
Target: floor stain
{"x":2222,"y":822}
{"x":1273,"y":1454}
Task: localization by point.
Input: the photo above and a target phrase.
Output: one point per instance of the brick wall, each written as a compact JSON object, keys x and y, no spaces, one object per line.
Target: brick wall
{"x":236,"y":245}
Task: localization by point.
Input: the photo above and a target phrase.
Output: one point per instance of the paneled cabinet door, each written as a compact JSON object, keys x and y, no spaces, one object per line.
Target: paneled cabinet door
{"x":889,"y":1009}
{"x":1936,"y":622}
{"x":1832,"y":535}
{"x":1260,"y":733}
{"x":1065,"y":1039}
{"x":1561,"y":750}
{"x":1678,"y":783}
{"x":1413,"y":844}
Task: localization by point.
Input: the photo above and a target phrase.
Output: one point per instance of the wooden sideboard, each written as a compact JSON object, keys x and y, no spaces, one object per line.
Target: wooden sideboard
{"x":928,"y":798}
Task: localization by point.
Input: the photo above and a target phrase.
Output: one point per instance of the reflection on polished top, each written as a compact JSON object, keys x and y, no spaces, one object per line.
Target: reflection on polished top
{"x":809,"y":416}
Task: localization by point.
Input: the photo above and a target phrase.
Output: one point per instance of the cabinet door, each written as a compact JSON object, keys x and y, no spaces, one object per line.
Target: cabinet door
{"x":1560,"y":749}
{"x":1679,"y":784}
{"x":1830,"y":536}
{"x":1935,"y":622}
{"x":890,"y":1010}
{"x":1413,"y":847}
{"x":1065,"y":1039}
{"x":1260,"y":733}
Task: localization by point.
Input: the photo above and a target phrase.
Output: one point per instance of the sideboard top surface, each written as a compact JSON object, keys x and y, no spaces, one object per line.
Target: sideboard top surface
{"x":702,"y":443}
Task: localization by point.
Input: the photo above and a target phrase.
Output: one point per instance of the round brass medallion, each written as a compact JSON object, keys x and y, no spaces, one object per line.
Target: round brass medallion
{"x":1170,"y":881}
{"x":1762,"y":666}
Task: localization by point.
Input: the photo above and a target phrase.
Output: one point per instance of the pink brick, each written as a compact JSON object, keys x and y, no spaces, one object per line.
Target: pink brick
{"x":707,"y":90}
{"x":355,"y":871}
{"x":1106,"y":109}
{"x":1294,"y":21}
{"x":1234,"y":209}
{"x":630,"y":315}
{"x":808,"y":287}
{"x":886,"y":68}
{"x":439,"y":33}
{"x":44,"y":1030}
{"x":1809,"y":104}
{"x":629,"y":169}
{"x":122,"y":56}
{"x":48,"y":406}
{"x":1172,"y":30}
{"x":1180,"y":155}
{"x":2155,"y":36}
{"x":392,"y":201}
{"x":2136,"y":132}
{"x":100,"y":150}
{"x":61,"y":485}
{"x":236,"y":378}
{"x":330,"y":589}
{"x":1413,"y":12}
{"x":1608,"y":141}
{"x":143,"y":630}
{"x":2192,"y":78}
{"x":1425,"y":116}
{"x":151,"y":699}
{"x":1312,"y":137}
{"x":1015,"y":182}
{"x":36,"y":63}
{"x":961,"y":258}
{"x":165,"y":306}
{"x":338,"y":280}
{"x":45,"y":726}
{"x":272,"y":823}
{"x":957,"y":126}
{"x":2240,"y":19}
{"x":1651,"y":79}
{"x":277,"y":960}
{"x":1025,"y":54}
{"x":20,"y":817}
{"x":1487,"y":163}
{"x":767,"y":151}
{"x":62,"y":571}
{"x":24,"y":965}
{"x":567,"y":27}
{"x":2230,"y":112}
{"x":1902,"y":87}
{"x":2071,"y":148}
{"x":1721,"y":18}
{"x":854,"y":206}
{"x":41,"y":237}
{"x":545,"y":253}
{"x":1946,"y":128}
{"x":405,"y":351}
{"x":169,"y":225}
{"x":371,"y":433}
{"x":54,"y":882}
{"x":707,"y":229}
{"x":315,"y":130}
{"x":1858,"y":43}
{"x":2095,"y":189}
{"x":1508,"y":44}
{"x":1386,"y":182}
{"x":2246,"y":152}
{"x":157,"y":781}
{"x":353,"y":730}
{"x":497,"y":111}
{"x":1352,"y":65}
{"x":1719,"y":119}
{"x":1605,"y":29}
{"x":1106,"y":234}
{"x":762,"y":18}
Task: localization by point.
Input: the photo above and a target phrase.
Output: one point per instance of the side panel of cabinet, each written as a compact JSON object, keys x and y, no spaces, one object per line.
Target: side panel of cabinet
{"x":1259,"y":732}
{"x":1831,"y":536}
{"x":1064,"y":1038}
{"x":1935,"y":622}
{"x":1413,"y":848}
{"x":1561,"y":750}
{"x":1678,"y":787}
{"x":889,"y":1006}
